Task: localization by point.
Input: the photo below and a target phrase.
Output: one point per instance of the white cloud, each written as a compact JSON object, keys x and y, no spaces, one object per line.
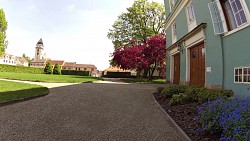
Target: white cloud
{"x":31,"y":7}
{"x":71,"y":7}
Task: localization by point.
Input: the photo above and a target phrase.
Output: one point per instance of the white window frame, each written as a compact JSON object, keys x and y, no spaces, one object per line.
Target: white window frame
{"x":242,"y":75}
{"x":171,"y":4}
{"x":239,"y":27}
{"x":191,"y":18}
{"x":174,"y":32}
{"x":219,"y":17}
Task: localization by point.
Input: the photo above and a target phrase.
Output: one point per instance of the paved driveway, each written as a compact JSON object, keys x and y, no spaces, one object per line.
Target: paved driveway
{"x":103,"y":112}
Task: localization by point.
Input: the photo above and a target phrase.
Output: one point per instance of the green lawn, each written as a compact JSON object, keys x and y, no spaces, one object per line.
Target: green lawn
{"x":143,"y":80}
{"x":48,"y":77}
{"x":10,"y":91}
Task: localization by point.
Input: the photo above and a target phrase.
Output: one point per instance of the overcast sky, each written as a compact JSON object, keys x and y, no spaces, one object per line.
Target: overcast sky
{"x":72,"y":30}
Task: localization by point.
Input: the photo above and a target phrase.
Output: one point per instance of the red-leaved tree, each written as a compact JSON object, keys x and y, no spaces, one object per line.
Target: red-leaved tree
{"x":148,"y":57}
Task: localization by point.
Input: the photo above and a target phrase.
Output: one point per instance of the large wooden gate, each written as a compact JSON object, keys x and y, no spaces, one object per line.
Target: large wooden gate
{"x":197,"y":65}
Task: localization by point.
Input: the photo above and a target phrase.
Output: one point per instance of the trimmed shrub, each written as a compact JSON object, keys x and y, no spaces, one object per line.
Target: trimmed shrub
{"x":20,"y":69}
{"x":170,"y":91}
{"x":178,"y":99}
{"x":57,"y":69}
{"x":118,"y":74}
{"x":228,"y":117}
{"x":74,"y":72}
{"x":48,"y":69}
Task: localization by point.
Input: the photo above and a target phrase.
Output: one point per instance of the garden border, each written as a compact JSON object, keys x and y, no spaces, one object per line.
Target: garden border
{"x":184,"y":136}
{"x":22,"y":99}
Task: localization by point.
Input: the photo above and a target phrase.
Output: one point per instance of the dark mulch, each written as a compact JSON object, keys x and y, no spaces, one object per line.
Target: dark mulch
{"x":185,"y":116}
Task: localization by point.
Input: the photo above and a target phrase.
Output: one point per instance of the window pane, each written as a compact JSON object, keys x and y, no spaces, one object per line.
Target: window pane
{"x":234,"y":7}
{"x":245,"y":71}
{"x":248,"y":70}
{"x":240,"y":79}
{"x":238,"y":19}
{"x":236,"y":71}
{"x":240,"y":71}
{"x":248,"y":78}
{"x":245,"y":79}
{"x":243,"y":16}
{"x":236,"y":79}
{"x":238,"y":4}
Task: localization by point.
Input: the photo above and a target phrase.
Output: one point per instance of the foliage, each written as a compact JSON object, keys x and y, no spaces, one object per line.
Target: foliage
{"x":48,"y":78}
{"x":228,"y":117}
{"x":57,"y":69}
{"x":3,"y":28}
{"x":75,"y":72}
{"x":178,"y":99}
{"x":144,"y":80}
{"x":20,"y":69}
{"x":26,"y":57}
{"x":168,"y":92}
{"x":48,"y":69}
{"x":196,"y":94}
{"x":142,"y":20}
{"x":118,"y":74}
{"x":149,"y":56}
{"x":19,"y":91}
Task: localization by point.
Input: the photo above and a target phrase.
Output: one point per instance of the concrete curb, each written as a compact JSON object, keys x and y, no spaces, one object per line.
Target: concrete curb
{"x":184,"y":136}
{"x":22,"y":99}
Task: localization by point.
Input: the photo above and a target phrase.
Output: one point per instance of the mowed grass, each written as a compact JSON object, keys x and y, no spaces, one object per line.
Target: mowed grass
{"x":143,"y":80}
{"x":48,"y":77}
{"x":10,"y":91}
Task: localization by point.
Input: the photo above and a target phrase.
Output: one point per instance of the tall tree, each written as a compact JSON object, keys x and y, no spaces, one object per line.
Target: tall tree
{"x":48,"y":69}
{"x":57,"y":69}
{"x":141,"y":21}
{"x":3,"y":28}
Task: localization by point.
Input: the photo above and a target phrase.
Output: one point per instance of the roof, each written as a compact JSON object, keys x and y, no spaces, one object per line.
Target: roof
{"x":22,"y":59}
{"x":54,"y":62}
{"x":85,"y":66}
{"x":40,"y":41}
{"x":69,"y":64}
{"x":38,"y":61}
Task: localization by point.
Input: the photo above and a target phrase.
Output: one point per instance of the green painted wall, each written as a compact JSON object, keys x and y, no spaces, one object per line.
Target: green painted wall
{"x":167,"y":8}
{"x":181,"y":24}
{"x":212,"y":45}
{"x":236,"y":49}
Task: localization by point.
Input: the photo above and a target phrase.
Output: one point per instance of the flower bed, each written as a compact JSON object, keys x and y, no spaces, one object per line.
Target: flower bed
{"x":219,"y":116}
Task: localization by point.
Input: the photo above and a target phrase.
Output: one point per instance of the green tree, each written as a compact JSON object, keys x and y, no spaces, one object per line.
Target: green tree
{"x":48,"y":69}
{"x":141,"y":21}
{"x":3,"y":28}
{"x":57,"y":69}
{"x":26,"y":57}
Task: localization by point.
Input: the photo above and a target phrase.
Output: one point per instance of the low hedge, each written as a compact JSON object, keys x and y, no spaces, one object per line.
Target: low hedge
{"x":75,"y":72}
{"x":118,"y":74}
{"x":182,"y":94}
{"x":20,"y":69}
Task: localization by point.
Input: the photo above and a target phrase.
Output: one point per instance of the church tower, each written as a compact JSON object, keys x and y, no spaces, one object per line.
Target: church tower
{"x":39,"y":49}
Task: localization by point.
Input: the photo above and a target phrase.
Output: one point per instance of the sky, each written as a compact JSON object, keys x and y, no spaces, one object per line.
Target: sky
{"x":72,"y":30}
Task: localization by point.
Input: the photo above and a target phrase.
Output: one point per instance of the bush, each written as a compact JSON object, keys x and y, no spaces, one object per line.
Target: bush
{"x":228,"y":117}
{"x":168,"y":92}
{"x":20,"y":69}
{"x":178,"y":99}
{"x":48,"y":69}
{"x":75,"y":72}
{"x":118,"y":74}
{"x":57,"y":69}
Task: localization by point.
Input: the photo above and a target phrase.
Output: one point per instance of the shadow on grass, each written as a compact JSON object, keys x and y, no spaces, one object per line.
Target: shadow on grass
{"x":11,"y":97}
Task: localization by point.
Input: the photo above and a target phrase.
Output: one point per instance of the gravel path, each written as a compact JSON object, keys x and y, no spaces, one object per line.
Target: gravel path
{"x":90,"y":112}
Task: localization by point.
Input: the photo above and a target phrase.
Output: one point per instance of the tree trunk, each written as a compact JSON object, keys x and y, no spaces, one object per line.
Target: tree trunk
{"x":145,"y":73}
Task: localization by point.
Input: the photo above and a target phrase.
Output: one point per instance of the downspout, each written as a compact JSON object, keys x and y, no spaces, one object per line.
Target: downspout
{"x":223,"y":64}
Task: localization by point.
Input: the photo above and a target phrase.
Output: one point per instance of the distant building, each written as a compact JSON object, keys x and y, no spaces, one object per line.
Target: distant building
{"x":69,"y":66}
{"x":8,"y":59}
{"x":21,"y":61}
{"x":40,"y":60}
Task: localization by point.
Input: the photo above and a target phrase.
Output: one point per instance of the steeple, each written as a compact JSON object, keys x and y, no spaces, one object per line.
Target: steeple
{"x":40,"y":42}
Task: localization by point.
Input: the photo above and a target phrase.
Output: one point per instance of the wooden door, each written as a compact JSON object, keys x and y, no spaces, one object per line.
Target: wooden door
{"x":177,"y":69}
{"x":197,"y":65}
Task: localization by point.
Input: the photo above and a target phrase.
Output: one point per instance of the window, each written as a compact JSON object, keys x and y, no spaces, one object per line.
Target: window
{"x":174,"y":33}
{"x":242,"y":75}
{"x":227,"y":15}
{"x":171,"y":4}
{"x":190,"y":12}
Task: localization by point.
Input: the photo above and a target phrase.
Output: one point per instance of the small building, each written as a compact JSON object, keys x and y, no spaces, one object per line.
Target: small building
{"x":8,"y":59}
{"x":21,"y":61}
{"x":69,"y":66}
{"x":87,"y":67}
